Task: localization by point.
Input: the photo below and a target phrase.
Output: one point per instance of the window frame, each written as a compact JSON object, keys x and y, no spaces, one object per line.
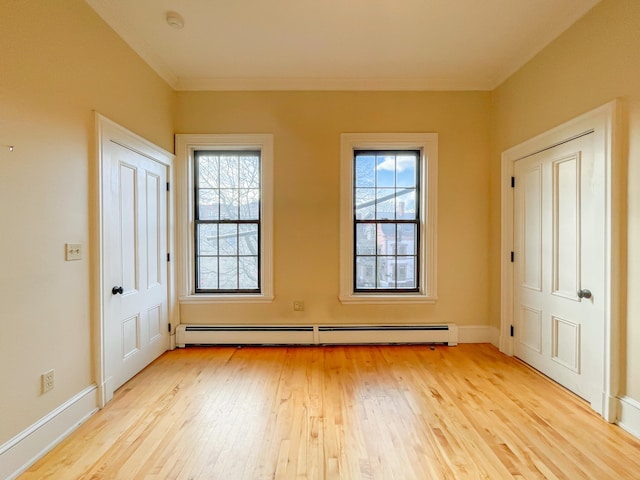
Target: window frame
{"x":186,"y":146}
{"x":379,"y":222}
{"x":219,"y":222}
{"x":427,"y":144}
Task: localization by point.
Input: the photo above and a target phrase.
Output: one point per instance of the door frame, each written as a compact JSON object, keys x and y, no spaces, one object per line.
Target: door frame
{"x":602,"y":122}
{"x":107,"y":131}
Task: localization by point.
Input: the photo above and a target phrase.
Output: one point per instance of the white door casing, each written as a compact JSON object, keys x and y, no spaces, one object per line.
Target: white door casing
{"x":134,"y":240}
{"x":566,"y":337}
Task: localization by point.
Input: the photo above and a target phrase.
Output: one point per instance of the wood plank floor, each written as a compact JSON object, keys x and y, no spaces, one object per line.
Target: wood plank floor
{"x":357,"y":412}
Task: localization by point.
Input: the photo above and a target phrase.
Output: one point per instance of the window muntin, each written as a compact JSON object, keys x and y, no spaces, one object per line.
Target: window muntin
{"x":227,"y":221}
{"x":386,"y":213}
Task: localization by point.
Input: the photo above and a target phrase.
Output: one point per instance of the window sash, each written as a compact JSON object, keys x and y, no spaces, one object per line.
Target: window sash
{"x":228,"y":258}
{"x":400,"y":262}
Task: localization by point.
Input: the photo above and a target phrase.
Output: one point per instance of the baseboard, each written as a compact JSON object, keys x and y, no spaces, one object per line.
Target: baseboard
{"x":629,"y":417}
{"x":27,"y":447}
{"x":478,"y":334}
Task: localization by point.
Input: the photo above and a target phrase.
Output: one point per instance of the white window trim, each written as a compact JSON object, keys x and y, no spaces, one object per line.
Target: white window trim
{"x":427,"y":143}
{"x":186,"y":145}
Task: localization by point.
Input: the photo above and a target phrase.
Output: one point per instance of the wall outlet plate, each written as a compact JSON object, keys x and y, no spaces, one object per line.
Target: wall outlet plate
{"x":47,"y":381}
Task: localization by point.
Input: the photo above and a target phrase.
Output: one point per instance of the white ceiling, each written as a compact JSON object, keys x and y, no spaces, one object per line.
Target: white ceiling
{"x":339,"y":44}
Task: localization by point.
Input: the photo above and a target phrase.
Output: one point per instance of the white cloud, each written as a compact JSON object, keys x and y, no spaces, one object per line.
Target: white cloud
{"x":402,"y":163}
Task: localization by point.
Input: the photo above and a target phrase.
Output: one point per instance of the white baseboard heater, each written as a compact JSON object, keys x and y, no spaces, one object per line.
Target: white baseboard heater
{"x":446,"y":334}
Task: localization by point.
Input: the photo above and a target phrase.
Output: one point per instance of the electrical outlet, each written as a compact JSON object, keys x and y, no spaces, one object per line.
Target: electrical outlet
{"x":73,"y":251}
{"x":298,"y":305}
{"x":47,"y":381}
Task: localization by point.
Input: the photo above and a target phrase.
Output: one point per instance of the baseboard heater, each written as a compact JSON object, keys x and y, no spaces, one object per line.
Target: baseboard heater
{"x":446,"y":334}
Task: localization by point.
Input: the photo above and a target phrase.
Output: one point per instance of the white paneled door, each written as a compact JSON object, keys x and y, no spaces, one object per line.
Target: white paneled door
{"x":559,"y":268}
{"x":135,"y":262}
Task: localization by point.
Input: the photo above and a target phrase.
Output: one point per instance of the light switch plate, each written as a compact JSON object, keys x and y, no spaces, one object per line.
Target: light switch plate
{"x":73,"y":251}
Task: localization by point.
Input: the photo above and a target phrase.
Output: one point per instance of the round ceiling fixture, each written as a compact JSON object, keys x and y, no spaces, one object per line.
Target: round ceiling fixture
{"x":175,"y":20}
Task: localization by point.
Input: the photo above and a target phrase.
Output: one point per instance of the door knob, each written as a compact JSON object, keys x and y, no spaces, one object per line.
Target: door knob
{"x":117,"y":290}
{"x":584,"y":293}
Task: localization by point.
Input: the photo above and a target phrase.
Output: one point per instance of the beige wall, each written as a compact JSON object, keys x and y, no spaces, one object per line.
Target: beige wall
{"x":306,"y":128}
{"x":594,"y":62}
{"x":60,"y":62}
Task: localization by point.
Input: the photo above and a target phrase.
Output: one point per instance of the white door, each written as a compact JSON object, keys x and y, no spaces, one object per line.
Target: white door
{"x":135,"y":263}
{"x":559,"y":269}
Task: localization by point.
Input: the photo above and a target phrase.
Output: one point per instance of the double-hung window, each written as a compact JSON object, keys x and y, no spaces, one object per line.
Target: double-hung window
{"x":227,"y":221}
{"x":388,"y":209}
{"x":226,"y":206}
{"x":386,"y":220}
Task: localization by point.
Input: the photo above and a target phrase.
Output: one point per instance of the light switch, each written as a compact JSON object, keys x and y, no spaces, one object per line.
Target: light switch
{"x":73,"y":251}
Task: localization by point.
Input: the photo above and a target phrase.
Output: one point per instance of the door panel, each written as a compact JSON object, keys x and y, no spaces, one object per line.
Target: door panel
{"x":531,"y":209}
{"x":566,"y":227}
{"x":566,"y":343}
{"x":559,"y":243}
{"x":128,"y":241}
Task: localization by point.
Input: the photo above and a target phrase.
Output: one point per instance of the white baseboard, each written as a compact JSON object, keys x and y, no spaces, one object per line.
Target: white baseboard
{"x":478,"y":334}
{"x":27,"y":447}
{"x":629,"y":417}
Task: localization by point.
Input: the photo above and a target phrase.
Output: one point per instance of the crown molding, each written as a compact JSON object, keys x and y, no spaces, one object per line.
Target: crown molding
{"x":327,"y":83}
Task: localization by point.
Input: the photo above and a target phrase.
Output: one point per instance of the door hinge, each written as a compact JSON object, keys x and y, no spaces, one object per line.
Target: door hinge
{"x":511,"y":330}
{"x":169,"y":327}
{"x":513,"y":182}
{"x":168,"y":257}
{"x":168,"y":186}
{"x":513,"y":257}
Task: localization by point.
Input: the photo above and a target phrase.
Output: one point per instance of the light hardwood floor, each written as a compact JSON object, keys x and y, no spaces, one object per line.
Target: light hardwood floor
{"x":357,"y":412}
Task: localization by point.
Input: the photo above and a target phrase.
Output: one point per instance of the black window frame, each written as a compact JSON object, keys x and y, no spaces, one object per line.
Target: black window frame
{"x":199,"y":221}
{"x":416,"y":221}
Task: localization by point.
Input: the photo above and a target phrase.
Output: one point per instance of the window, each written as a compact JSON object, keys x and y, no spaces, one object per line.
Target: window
{"x":227,"y":221}
{"x":388,"y":218}
{"x":225,"y":217}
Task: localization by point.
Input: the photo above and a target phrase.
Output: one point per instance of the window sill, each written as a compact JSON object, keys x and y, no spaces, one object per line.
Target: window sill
{"x":208,"y":298}
{"x":391,"y":299}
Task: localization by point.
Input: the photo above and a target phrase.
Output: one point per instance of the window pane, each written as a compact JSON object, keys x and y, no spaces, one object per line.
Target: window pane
{"x":406,"y":170}
{"x":229,"y":171}
{"x":228,"y":273}
{"x":249,"y":203}
{"x":406,"y":272}
{"x":248,"y":273}
{"x":386,"y":272}
{"x":207,"y":236}
{"x":407,"y":239}
{"x":365,"y":239}
{"x":250,"y":171}
{"x":207,"y":272}
{"x":208,"y":170}
{"x":386,"y":238}
{"x":365,"y":203}
{"x":365,"y":173}
{"x":365,"y":272}
{"x":229,"y":204}
{"x":248,"y":240}
{"x":228,"y":243}
{"x":385,"y":170}
{"x":406,"y":204}
{"x":208,"y":202}
{"x":385,"y":203}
